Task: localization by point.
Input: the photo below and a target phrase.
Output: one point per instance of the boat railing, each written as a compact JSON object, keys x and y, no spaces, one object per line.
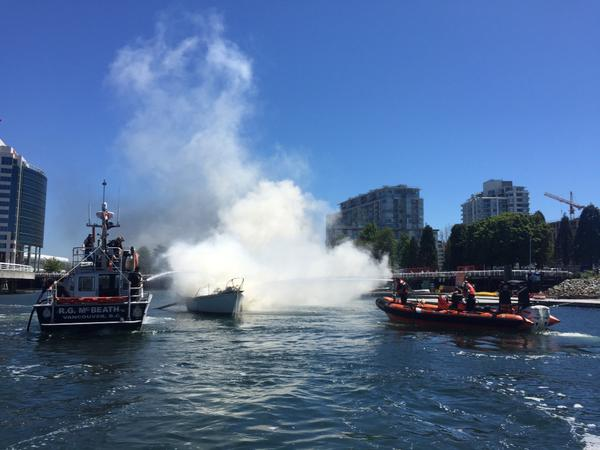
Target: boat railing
{"x":51,"y":292}
{"x":235,"y":284}
{"x":93,"y":259}
{"x":115,"y":256}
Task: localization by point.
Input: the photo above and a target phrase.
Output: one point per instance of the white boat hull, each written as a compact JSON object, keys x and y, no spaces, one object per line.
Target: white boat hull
{"x":222,"y":303}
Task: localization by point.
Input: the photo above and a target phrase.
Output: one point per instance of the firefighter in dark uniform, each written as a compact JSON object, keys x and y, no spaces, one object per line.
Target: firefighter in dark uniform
{"x":504,"y":294}
{"x":401,"y":290}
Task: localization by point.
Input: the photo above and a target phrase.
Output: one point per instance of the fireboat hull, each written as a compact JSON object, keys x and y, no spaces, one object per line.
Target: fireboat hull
{"x":92,"y":315}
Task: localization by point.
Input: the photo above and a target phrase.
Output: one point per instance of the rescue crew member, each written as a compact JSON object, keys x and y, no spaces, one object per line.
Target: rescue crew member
{"x":456,"y":298}
{"x":469,"y":295}
{"x":401,"y":290}
{"x":88,"y":244}
{"x":443,"y":302}
{"x":117,"y":245}
{"x":504,"y":298}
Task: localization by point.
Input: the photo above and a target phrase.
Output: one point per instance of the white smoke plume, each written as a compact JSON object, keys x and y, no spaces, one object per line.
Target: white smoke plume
{"x":191,"y":97}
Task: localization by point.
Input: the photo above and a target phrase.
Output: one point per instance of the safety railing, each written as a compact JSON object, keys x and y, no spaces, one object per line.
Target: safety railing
{"x":16,"y":267}
{"x":483,"y":273}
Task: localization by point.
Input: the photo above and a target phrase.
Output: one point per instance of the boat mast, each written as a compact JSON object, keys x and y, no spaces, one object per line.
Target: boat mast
{"x":104,"y":216}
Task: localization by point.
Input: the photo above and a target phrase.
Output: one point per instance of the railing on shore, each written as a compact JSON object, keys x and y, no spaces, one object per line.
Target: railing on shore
{"x":15,"y":267}
{"x":495,"y":273}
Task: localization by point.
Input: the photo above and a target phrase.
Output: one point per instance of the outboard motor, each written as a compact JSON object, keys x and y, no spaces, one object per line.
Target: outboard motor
{"x":539,"y":315}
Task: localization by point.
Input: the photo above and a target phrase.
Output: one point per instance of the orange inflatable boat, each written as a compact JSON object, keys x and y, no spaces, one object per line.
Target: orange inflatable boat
{"x":532,"y":318}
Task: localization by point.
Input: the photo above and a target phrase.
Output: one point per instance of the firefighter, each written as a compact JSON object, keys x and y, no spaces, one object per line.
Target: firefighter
{"x":504,"y":295}
{"x":401,"y":290}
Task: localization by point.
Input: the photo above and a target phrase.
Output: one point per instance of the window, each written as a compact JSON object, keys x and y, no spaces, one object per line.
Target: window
{"x":7,"y":160}
{"x":86,"y":284}
{"x":5,"y":170}
{"x":108,"y":285}
{"x":5,"y":178}
{"x":4,"y":194}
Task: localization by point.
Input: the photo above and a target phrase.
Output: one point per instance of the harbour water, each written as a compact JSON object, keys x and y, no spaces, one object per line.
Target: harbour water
{"x":304,"y":378}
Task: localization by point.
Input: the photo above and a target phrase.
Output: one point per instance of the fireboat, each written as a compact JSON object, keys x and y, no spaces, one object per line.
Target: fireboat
{"x":104,"y":288}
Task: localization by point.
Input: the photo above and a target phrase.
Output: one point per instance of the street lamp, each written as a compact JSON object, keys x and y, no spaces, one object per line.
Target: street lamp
{"x":530,"y":250}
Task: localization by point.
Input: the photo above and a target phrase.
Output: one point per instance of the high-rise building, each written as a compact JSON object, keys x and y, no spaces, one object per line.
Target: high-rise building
{"x":497,"y":197}
{"x":397,"y":207}
{"x":22,"y":208}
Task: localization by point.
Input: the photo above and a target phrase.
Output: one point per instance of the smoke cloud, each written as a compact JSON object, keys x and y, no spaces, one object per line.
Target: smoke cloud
{"x":190,"y":98}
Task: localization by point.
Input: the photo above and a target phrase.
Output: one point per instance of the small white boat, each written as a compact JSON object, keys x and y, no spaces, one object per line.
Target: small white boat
{"x":227,"y":301}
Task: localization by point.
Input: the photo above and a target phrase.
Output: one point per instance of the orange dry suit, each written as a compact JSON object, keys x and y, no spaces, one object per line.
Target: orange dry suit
{"x":469,"y":294}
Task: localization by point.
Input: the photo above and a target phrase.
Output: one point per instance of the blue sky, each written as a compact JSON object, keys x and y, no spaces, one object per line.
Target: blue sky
{"x":438,"y":95}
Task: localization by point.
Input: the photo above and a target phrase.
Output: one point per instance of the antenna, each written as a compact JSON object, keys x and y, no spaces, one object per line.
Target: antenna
{"x":89,"y":206}
{"x":103,"y":191}
{"x":118,"y":204}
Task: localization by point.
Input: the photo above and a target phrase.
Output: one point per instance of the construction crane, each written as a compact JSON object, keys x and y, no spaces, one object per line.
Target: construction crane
{"x":571,"y":203}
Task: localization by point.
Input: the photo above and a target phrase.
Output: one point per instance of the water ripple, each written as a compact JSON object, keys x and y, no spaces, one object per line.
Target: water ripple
{"x":311,"y":378}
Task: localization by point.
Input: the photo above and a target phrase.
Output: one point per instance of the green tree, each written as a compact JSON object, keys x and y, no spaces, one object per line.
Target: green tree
{"x":507,"y":239}
{"x":401,"y":245}
{"x":456,"y":247}
{"x":541,"y":239}
{"x":379,"y":242}
{"x":428,"y":249}
{"x":563,"y":246}
{"x":53,"y":265}
{"x":384,"y":244}
{"x":145,"y":260}
{"x":586,"y":247}
{"x":484,"y":236}
{"x":410,"y":255}
{"x":367,"y":235}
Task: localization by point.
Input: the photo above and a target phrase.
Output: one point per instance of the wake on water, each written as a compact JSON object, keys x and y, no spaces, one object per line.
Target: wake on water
{"x":570,"y":334}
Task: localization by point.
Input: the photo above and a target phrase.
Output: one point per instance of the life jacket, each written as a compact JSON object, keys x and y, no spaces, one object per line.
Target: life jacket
{"x":443,"y":302}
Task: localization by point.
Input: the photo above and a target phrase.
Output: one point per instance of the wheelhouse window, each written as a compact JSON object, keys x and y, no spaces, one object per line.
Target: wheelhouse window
{"x":108,"y":285}
{"x":86,"y":284}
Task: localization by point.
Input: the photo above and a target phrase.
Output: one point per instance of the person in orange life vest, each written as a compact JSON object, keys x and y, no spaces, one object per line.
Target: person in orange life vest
{"x":469,"y":294}
{"x":401,"y":290}
{"x":443,"y":302}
